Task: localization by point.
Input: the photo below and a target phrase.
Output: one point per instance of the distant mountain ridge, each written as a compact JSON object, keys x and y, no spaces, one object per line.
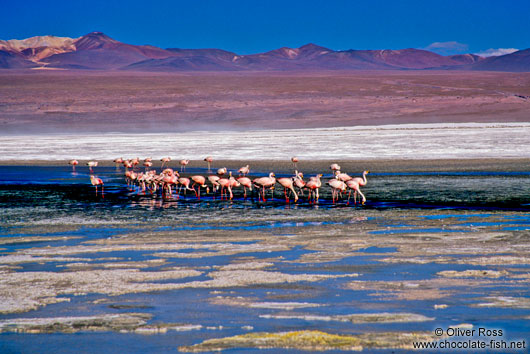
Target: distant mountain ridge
{"x":97,"y":51}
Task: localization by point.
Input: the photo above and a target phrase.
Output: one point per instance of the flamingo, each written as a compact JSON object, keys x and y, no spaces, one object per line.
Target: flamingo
{"x":221,"y":171}
{"x":287,"y":183}
{"x":334,"y":167}
{"x":233,"y":182}
{"x":185,"y":182}
{"x":294,"y":160}
{"x":265,"y":182}
{"x":127,"y":164}
{"x":214,"y":180}
{"x":73,"y":163}
{"x":337,"y":187}
{"x":313,"y":185}
{"x":201,"y":182}
{"x":91,"y":164}
{"x":148,"y":159}
{"x":299,"y":182}
{"x":147,"y":164}
{"x":118,"y":161}
{"x":165,"y":160}
{"x":342,"y":176}
{"x":135,"y":162}
{"x":97,"y":182}
{"x":246,"y":183}
{"x":169,"y":178}
{"x":244,"y":170}
{"x":225,"y":183}
{"x":354,"y":186}
{"x":209,"y":160}
{"x":360,"y":181}
{"x":183,"y":164}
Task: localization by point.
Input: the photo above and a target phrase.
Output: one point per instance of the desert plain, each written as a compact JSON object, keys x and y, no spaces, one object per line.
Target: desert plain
{"x":51,"y":101}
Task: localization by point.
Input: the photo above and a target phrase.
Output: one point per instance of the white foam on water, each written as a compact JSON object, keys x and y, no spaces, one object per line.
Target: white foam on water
{"x":408,"y":141}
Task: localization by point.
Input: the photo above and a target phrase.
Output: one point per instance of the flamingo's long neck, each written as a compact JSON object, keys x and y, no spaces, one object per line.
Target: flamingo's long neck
{"x":364,"y":178}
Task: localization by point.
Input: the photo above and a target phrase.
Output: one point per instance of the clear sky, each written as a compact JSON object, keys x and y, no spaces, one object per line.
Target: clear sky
{"x":251,"y":26}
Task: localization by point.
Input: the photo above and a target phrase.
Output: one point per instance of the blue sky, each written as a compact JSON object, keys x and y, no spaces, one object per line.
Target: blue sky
{"x":256,"y":26}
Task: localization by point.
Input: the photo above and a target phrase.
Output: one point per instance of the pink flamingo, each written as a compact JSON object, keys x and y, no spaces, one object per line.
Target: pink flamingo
{"x":169,"y":179}
{"x":214,"y":180}
{"x":97,"y":182}
{"x":118,"y":162}
{"x":288,"y":183}
{"x":165,"y":160}
{"x":358,"y":182}
{"x":265,"y":182}
{"x":244,"y":170}
{"x":185,"y":182}
{"x":135,"y":162}
{"x":299,"y":182}
{"x":294,"y":160}
{"x":209,"y":160}
{"x":147,"y":164}
{"x":337,"y":187}
{"x":334,"y":167}
{"x":91,"y":164}
{"x":73,"y":163}
{"x":225,"y":183}
{"x":201,"y":182}
{"x":221,"y":171}
{"x":342,"y":176}
{"x":354,"y":186}
{"x":127,"y":164}
{"x":246,"y":183}
{"x":183,"y":164}
{"x":313,"y":185}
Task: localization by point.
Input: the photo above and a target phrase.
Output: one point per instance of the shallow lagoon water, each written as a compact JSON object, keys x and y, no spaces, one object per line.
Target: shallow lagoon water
{"x":263,"y":267}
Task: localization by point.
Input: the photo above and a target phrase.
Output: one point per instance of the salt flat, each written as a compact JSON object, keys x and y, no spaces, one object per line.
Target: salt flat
{"x":408,"y":141}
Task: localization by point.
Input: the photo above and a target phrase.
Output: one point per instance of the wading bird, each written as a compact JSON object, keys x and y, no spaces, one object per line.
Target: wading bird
{"x":337,"y":187}
{"x":209,"y":160}
{"x":118,"y":162}
{"x":97,"y":182}
{"x":73,"y":163}
{"x":360,"y":183}
{"x":265,"y":182}
{"x":313,"y":185}
{"x":221,"y":171}
{"x":183,"y":164}
{"x":91,"y":164}
{"x":334,"y":167}
{"x":288,"y":183}
{"x":165,"y":160}
{"x":294,"y":160}
{"x":299,"y":182}
{"x":200,"y":181}
{"x":244,"y":170}
{"x":246,"y":183}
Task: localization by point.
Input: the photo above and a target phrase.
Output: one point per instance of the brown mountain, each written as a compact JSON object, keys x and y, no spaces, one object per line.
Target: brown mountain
{"x":188,"y":60}
{"x":515,"y":62}
{"x":98,"y":51}
{"x":10,"y":60}
{"x":466,"y":58}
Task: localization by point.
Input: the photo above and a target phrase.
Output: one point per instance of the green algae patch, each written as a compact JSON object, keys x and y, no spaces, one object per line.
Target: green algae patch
{"x":311,"y":340}
{"x":472,"y":273}
{"x":356,"y":318}
{"x":119,"y":322}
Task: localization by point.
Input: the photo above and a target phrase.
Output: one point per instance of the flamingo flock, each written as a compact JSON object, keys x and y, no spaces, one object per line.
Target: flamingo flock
{"x":169,"y":182}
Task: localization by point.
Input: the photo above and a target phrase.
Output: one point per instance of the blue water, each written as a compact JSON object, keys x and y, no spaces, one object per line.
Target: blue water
{"x":58,"y":202}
